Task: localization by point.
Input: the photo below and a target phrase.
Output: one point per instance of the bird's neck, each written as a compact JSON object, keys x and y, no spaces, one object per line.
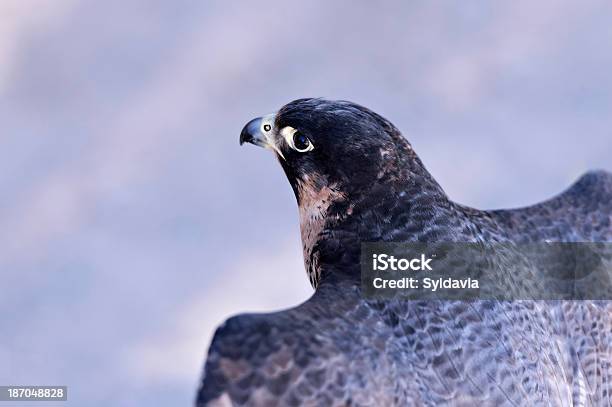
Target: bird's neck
{"x":335,"y":224}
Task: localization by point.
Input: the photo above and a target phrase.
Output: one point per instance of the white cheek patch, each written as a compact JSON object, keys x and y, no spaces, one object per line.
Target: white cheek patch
{"x":287,"y":133}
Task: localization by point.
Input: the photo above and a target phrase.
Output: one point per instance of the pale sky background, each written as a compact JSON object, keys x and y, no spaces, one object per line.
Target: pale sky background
{"x":132,"y":224}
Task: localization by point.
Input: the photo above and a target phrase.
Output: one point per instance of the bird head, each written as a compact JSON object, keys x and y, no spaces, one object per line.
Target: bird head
{"x":351,"y":171}
{"x":331,"y":150}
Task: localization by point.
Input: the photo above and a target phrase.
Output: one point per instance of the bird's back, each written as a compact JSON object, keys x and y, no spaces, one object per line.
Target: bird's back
{"x":582,"y":213}
{"x":339,"y":348}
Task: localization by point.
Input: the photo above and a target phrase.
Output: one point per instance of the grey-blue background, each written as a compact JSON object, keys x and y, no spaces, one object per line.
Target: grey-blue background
{"x":131,"y":223}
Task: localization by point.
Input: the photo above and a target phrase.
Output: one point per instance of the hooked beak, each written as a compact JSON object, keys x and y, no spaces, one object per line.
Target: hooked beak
{"x":259,"y":132}
{"x":253,"y":133}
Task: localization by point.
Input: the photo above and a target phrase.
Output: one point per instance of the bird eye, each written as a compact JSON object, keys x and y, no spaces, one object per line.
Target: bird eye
{"x":296,"y":140}
{"x":301,"y":143}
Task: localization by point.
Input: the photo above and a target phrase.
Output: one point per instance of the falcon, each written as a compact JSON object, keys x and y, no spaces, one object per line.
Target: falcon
{"x":357,"y":179}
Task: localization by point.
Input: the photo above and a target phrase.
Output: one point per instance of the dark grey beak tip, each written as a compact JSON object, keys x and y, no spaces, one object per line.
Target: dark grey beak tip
{"x":245,"y":137}
{"x":250,"y":132}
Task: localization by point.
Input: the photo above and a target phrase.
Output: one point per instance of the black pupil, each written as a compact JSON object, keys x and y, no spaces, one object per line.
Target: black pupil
{"x":267,"y":127}
{"x":300,"y":141}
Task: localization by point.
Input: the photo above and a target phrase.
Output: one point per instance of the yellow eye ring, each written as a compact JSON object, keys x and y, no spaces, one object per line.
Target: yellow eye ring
{"x":297,"y":140}
{"x":301,"y":143}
